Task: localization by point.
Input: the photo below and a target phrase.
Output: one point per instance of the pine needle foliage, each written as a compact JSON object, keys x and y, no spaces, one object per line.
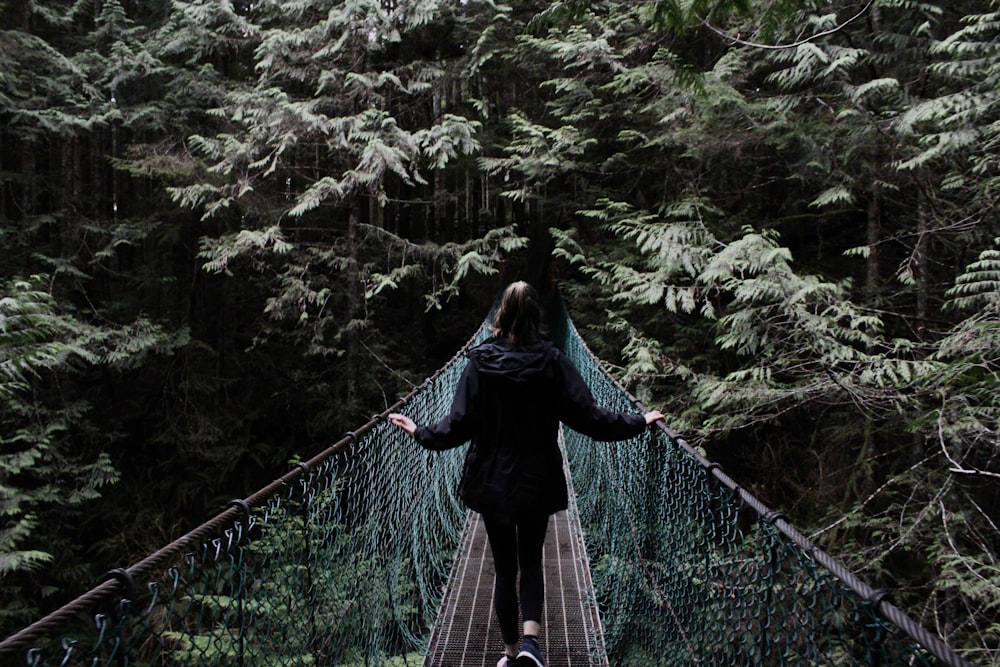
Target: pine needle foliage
{"x":794,"y":220}
{"x":259,"y":220}
{"x":979,"y":285}
{"x":43,"y":476}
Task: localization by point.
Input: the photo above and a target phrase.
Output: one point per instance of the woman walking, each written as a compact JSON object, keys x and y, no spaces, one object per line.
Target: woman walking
{"x":509,"y":402}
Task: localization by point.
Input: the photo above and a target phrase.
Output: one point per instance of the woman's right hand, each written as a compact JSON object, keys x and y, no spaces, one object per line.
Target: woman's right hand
{"x":654,"y":416}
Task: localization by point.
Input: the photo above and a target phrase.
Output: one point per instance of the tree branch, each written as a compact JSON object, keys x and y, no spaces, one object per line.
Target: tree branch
{"x":956,"y":466}
{"x":778,"y":47}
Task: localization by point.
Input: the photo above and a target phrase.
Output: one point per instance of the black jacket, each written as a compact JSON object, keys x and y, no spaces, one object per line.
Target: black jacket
{"x":509,"y":403}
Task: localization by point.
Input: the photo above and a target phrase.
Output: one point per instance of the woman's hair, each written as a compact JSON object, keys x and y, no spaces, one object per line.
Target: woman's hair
{"x":519,"y":318}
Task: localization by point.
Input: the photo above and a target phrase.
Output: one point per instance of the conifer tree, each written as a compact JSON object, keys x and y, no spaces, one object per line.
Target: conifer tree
{"x":45,"y":476}
{"x":353,"y":112}
{"x":795,"y":183}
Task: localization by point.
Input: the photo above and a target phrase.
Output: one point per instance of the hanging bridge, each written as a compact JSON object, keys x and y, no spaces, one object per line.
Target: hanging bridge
{"x":364,"y":556}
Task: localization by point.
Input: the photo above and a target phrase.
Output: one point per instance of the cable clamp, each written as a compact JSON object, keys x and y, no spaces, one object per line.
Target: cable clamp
{"x":122,"y":576}
{"x":241,"y":505}
{"x":774,"y":515}
{"x":878,"y":596}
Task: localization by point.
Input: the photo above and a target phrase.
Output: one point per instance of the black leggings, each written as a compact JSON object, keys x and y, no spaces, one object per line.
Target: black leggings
{"x":517,"y":544}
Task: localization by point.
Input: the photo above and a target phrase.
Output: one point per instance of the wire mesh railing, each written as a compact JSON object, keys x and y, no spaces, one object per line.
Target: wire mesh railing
{"x":344,"y":560}
{"x":690,"y":568}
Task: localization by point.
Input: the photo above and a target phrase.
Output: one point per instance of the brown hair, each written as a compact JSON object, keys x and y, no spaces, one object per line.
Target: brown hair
{"x":519,"y":318}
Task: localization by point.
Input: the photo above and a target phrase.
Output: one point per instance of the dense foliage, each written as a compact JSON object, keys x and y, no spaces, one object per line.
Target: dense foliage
{"x":233,"y":230}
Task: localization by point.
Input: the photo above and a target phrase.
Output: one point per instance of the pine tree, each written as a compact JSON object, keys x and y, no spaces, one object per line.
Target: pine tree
{"x":795,"y":182}
{"x":348,"y":118}
{"x":45,"y":477}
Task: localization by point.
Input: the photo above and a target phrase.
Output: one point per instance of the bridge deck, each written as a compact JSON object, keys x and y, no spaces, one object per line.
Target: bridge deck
{"x":467,"y":634}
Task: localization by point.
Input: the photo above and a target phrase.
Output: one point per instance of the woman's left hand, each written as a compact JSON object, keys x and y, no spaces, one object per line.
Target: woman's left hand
{"x":403,"y":422}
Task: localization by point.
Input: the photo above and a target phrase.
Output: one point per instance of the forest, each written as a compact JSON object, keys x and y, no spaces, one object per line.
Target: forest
{"x":234,"y":230}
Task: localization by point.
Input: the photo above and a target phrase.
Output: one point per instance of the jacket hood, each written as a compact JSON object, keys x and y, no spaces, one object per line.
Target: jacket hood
{"x":517,"y":364}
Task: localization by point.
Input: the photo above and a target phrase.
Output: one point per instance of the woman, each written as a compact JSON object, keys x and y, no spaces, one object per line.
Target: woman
{"x":510,"y":399}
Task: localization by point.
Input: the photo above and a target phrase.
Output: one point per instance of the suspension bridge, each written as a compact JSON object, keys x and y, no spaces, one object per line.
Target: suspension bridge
{"x":364,"y":556}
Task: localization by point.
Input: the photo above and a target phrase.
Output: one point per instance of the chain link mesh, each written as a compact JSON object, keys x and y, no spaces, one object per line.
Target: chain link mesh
{"x":344,"y":563}
{"x":685,"y":573}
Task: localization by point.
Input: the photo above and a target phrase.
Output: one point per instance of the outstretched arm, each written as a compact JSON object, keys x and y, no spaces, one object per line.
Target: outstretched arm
{"x":457,"y":427}
{"x":581,"y":413}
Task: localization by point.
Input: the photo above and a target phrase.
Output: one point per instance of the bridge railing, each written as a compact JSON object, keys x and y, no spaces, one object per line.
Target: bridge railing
{"x":343,"y":560}
{"x":690,"y":568}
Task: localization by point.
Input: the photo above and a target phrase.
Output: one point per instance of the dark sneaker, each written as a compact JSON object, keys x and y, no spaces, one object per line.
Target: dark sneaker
{"x":507,"y":661}
{"x":530,"y":655}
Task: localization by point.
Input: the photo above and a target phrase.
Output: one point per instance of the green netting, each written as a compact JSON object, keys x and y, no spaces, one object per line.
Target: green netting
{"x":686,"y":573}
{"x":343,"y":561}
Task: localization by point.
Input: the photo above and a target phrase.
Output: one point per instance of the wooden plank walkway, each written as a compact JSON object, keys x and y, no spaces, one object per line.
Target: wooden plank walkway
{"x":467,"y":635}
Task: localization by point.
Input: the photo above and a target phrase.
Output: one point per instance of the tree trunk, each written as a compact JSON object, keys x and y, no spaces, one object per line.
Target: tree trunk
{"x":921,"y":280}
{"x":28,"y":178}
{"x":353,"y":302}
{"x":438,"y":198}
{"x":873,"y":236}
{"x":3,"y":166}
{"x":920,"y":268}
